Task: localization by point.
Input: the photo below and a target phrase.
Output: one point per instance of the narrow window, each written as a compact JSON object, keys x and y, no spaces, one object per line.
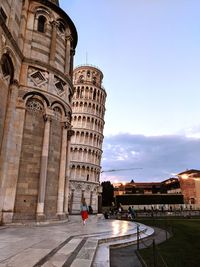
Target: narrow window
{"x":77,"y":92}
{"x":7,"y":66}
{"x":88,"y":177}
{"x":81,"y":79}
{"x":94,"y":80}
{"x":41,"y":23}
{"x":61,"y":27}
{"x":94,"y":95}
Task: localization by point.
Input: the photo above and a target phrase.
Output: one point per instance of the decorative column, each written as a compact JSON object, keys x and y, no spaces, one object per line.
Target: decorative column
{"x":61,"y":182}
{"x":82,"y":194}
{"x":23,"y":23}
{"x":72,"y":53}
{"x":53,"y":43}
{"x":67,"y":53}
{"x":99,"y":194}
{"x":12,"y":15}
{"x":43,"y":169}
{"x":66,"y":203}
{"x":71,"y":202}
{"x":91,"y":196}
{"x":8,"y":176}
{"x":1,"y":48}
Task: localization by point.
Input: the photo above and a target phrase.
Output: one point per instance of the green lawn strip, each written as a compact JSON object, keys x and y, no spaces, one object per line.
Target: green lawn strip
{"x":182,"y":249}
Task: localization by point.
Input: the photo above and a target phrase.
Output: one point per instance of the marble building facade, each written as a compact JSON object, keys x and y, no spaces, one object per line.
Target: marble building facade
{"x":88,"y":109}
{"x":37,"y":47}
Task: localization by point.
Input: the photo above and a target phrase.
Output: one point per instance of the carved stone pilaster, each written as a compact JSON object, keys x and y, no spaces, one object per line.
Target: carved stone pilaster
{"x":43,"y":169}
{"x":47,"y":117}
{"x":61,"y":181}
{"x":53,"y":43}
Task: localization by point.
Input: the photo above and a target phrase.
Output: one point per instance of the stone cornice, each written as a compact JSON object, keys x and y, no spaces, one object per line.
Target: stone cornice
{"x":85,"y":164}
{"x":87,"y":130}
{"x":89,"y":114}
{"x":85,"y":182}
{"x":83,"y":146}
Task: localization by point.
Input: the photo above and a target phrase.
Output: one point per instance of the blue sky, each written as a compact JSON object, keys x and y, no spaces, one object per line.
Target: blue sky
{"x":149,"y":52}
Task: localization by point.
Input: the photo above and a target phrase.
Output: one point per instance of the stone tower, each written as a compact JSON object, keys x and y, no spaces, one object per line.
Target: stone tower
{"x":88,"y":109}
{"x":37,"y":46}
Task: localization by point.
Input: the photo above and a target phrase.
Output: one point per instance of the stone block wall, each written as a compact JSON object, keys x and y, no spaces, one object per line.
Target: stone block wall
{"x":29,"y":172}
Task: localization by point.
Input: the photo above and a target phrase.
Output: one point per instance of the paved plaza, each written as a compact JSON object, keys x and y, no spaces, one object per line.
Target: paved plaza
{"x":66,"y":244}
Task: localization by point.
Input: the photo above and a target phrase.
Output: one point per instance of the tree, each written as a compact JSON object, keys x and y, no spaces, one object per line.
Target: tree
{"x":107,"y":193}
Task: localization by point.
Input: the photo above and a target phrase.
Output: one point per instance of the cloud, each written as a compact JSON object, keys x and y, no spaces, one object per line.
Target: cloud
{"x":193,"y":131}
{"x":160,"y":157}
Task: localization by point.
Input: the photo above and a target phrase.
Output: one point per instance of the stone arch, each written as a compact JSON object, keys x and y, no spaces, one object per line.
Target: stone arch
{"x":61,"y":25}
{"x":36,"y":94}
{"x":41,"y":15}
{"x":61,"y":106}
{"x":35,"y":104}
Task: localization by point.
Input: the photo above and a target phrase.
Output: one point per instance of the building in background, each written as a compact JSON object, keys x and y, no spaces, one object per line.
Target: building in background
{"x":148,"y":194}
{"x":88,"y":107}
{"x":190,"y":186}
{"x":186,"y":185}
{"x":169,"y":186}
{"x":37,"y":46}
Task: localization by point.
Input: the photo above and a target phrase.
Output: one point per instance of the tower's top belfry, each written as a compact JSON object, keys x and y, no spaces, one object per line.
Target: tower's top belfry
{"x":56,"y":2}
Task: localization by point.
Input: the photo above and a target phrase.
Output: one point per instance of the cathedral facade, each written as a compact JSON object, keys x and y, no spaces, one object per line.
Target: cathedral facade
{"x":88,"y":109}
{"x":37,"y":47}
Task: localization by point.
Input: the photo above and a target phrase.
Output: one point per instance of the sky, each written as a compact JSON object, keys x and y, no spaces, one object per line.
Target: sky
{"x":149,"y":53}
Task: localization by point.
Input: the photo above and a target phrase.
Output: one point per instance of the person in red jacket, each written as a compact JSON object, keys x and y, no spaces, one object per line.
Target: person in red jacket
{"x":84,"y":211}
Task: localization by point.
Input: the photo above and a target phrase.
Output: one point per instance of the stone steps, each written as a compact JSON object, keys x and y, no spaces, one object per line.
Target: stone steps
{"x":102,"y":257}
{"x":91,"y":250}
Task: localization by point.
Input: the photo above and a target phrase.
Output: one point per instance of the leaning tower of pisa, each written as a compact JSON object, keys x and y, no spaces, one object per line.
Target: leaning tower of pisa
{"x":88,"y":109}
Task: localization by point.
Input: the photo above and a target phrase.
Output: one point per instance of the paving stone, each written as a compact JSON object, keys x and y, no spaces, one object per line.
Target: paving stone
{"x":59,"y":244}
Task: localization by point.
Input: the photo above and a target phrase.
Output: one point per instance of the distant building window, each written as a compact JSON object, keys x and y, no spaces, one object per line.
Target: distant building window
{"x":41,"y":23}
{"x":94,"y":80}
{"x":3,"y":14}
{"x":88,"y":177}
{"x":81,"y":80}
{"x":94,"y":95}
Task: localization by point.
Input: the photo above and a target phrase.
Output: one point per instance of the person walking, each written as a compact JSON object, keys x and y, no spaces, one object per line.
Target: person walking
{"x":84,"y":211}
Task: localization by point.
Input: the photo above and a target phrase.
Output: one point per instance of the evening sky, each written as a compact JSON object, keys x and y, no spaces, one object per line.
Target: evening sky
{"x":149,"y":53}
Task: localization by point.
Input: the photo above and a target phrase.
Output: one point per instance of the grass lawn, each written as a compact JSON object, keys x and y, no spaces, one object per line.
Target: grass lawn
{"x":182,"y":249}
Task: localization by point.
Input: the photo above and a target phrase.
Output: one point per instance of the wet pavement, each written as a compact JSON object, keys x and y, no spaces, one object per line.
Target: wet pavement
{"x":66,"y":244}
